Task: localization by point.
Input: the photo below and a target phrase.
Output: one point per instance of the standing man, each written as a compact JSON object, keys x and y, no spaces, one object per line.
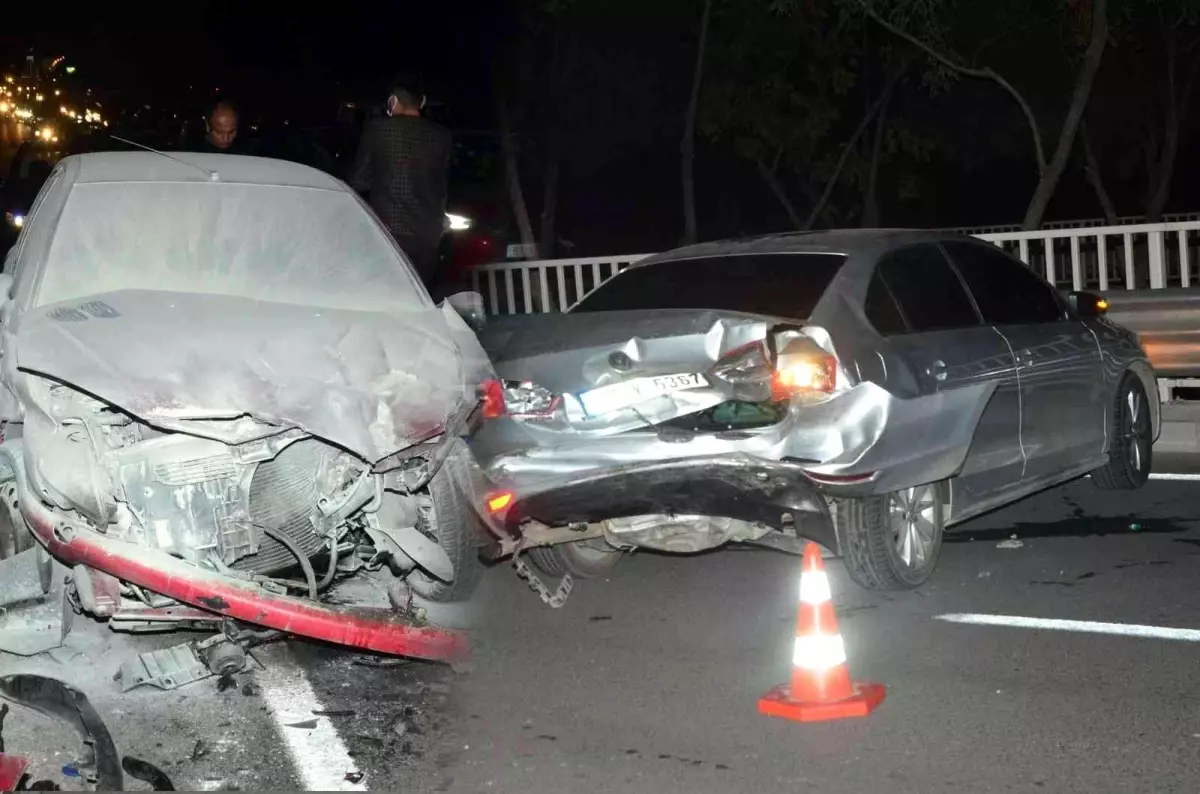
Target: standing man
{"x":402,"y":165}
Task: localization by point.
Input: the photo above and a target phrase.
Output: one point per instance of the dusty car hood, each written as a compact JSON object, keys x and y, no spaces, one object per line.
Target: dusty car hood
{"x":371,"y":382}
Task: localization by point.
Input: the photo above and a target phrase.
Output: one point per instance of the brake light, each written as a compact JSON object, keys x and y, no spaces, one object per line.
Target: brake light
{"x":498,"y":502}
{"x":492,"y":397}
{"x":518,"y":399}
{"x":804,"y":374}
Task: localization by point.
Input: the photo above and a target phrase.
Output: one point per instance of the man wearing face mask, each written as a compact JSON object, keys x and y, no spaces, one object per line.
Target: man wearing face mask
{"x":402,"y":165}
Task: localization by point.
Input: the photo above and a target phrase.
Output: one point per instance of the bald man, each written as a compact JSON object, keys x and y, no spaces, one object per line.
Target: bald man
{"x":221,"y":130}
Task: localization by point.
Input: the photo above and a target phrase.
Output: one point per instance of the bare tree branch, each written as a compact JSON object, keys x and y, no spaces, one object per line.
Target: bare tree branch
{"x":850,"y":145}
{"x":1091,"y":168}
{"x":984,"y":73}
{"x":769,"y":176}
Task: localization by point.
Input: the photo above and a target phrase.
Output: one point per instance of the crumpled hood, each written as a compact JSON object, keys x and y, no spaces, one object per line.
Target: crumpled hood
{"x":371,"y":382}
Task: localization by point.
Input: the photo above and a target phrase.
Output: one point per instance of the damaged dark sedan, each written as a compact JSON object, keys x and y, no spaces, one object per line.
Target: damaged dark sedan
{"x":863,"y":389}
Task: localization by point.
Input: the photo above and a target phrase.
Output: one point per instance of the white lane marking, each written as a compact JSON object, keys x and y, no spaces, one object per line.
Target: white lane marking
{"x":1166,"y":475}
{"x":1085,"y":626}
{"x":319,"y":755}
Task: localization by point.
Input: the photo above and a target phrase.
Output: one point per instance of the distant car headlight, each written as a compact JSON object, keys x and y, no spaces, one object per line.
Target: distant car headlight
{"x":457,"y":223}
{"x":14,"y":219}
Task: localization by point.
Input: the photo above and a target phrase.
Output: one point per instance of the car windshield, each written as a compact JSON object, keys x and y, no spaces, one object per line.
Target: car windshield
{"x":778,"y":285}
{"x":274,"y":243}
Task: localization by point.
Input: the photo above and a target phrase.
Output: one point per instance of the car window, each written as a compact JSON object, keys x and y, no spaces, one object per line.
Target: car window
{"x":1006,"y":291}
{"x":10,"y":262}
{"x":928,"y":291}
{"x":881,"y":308}
{"x":779,"y":285}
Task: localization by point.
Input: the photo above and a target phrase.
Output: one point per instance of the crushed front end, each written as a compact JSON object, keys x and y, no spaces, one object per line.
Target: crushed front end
{"x":243,"y":523}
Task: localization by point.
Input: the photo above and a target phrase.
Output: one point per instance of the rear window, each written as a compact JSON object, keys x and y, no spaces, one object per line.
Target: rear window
{"x":780,"y":285}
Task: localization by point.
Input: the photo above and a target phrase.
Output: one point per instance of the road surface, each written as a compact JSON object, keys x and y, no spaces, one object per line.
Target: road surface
{"x":648,"y":681}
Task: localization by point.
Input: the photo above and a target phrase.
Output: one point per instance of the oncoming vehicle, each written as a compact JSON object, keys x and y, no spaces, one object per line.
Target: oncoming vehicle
{"x":863,"y":389}
{"x":220,"y":369}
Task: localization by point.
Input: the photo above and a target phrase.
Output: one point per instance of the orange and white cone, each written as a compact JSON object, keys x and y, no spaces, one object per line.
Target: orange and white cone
{"x":820,"y":688}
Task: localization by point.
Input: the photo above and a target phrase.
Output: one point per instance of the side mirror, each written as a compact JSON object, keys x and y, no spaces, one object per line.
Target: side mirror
{"x":469,"y":306}
{"x":1087,"y":305}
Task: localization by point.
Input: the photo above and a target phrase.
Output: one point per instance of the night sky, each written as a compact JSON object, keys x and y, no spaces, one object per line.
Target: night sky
{"x":617,"y":122}
{"x":272,"y":56}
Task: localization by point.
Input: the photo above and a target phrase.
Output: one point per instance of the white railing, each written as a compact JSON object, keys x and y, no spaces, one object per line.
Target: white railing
{"x":1125,"y":220}
{"x":1128,"y":256}
{"x":544,"y":285}
{"x":1137,"y":256}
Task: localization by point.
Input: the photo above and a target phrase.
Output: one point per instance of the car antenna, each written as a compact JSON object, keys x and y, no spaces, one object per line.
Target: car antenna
{"x":213,"y":176}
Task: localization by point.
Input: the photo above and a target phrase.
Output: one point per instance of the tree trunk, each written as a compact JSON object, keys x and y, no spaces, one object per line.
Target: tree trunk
{"x":870,"y":215}
{"x":1091,"y":168}
{"x":819,"y":207}
{"x":512,"y":174}
{"x":687,"y":147}
{"x":1079,"y":99}
{"x":769,"y":176}
{"x":1177,"y":107}
{"x":550,"y":201}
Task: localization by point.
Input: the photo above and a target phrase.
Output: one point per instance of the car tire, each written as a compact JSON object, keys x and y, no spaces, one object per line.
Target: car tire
{"x":452,"y":522}
{"x":874,"y":532}
{"x":1131,"y":453}
{"x":583,"y":559}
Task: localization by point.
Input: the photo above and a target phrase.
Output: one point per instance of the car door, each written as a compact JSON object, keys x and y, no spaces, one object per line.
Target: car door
{"x":1063,"y":403}
{"x":949,"y":347}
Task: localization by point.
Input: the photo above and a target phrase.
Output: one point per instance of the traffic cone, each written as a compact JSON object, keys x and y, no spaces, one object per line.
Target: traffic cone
{"x":820,"y":688}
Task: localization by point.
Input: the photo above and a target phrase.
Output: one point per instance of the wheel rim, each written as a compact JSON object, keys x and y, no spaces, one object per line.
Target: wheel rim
{"x":913,"y":516}
{"x":1136,"y":430}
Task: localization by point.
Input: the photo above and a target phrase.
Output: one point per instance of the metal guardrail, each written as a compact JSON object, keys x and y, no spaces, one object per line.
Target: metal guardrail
{"x":1133,"y":256}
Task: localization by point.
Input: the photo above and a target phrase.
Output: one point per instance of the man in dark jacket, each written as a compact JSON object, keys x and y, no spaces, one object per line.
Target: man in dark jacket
{"x":220,"y":131}
{"x":402,"y":165}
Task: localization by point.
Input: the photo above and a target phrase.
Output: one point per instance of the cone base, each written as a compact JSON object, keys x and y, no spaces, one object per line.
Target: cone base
{"x":778,"y":703}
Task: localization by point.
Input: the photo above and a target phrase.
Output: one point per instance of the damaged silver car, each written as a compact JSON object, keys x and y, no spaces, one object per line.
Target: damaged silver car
{"x":862,"y":389}
{"x":218,"y":370}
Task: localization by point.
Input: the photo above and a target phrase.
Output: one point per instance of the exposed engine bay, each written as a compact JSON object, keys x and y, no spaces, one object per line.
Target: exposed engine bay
{"x":250,"y":511}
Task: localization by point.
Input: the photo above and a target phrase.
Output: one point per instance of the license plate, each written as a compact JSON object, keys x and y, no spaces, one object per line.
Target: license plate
{"x":617,"y":396}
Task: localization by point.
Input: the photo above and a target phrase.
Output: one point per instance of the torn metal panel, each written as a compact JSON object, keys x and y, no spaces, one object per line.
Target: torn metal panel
{"x":167,"y":668}
{"x":35,"y":615}
{"x":371,"y":382}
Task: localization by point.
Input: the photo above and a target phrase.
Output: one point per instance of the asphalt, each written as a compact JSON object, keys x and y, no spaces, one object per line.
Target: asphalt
{"x":648,"y":680}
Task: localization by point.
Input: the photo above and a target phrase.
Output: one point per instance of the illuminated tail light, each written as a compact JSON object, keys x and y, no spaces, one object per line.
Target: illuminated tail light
{"x":499,"y":502}
{"x":492,"y":397}
{"x":518,"y":399}
{"x":809,"y":371}
{"x":805,"y":374}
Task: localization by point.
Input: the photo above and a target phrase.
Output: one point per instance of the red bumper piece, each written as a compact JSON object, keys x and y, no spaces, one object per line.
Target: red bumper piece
{"x":368,"y":628}
{"x":11,"y":769}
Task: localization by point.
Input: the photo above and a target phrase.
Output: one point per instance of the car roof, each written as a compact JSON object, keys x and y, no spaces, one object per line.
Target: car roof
{"x":836,"y":241}
{"x":98,"y":167}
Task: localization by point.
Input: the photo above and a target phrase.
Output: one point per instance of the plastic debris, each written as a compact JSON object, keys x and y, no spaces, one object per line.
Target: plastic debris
{"x":1011,"y":543}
